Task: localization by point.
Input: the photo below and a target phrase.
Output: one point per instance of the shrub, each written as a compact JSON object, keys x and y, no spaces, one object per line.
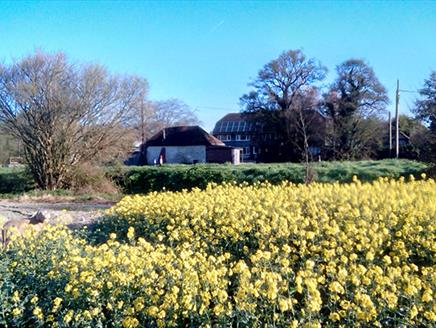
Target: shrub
{"x":15,"y":180}
{"x":89,"y":178}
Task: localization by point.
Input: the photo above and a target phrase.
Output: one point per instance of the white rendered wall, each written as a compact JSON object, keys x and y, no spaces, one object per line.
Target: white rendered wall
{"x":177,"y":154}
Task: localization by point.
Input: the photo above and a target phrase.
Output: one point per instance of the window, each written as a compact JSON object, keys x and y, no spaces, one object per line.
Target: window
{"x":242,"y":137}
{"x":233,"y":128}
{"x":314,"y":150}
{"x":246,"y":152}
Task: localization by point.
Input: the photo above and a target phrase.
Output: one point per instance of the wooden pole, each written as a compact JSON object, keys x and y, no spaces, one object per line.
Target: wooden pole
{"x":390,"y":133}
{"x":142,"y":121}
{"x":397,"y":121}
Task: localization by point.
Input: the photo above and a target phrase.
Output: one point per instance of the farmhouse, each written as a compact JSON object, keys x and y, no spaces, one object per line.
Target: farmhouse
{"x":187,"y":145}
{"x":234,"y":130}
{"x":260,"y":142}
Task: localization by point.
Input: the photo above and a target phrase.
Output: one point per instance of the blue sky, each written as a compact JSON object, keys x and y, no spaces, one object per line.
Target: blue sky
{"x":205,"y":53}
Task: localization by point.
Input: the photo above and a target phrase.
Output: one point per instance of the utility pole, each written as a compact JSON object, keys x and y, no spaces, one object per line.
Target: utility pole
{"x":142,"y":121}
{"x":397,"y":121}
{"x":142,"y":157}
{"x":390,"y":133}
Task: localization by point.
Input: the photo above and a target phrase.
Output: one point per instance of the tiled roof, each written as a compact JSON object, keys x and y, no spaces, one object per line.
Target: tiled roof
{"x":231,"y":117}
{"x":183,"y":136}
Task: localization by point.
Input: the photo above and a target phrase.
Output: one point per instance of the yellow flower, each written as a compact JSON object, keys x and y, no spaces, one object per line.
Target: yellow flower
{"x":284,"y":305}
{"x":130,"y":322}
{"x":427,"y":296}
{"x":68,"y":316}
{"x":16,"y":312}
{"x":334,"y":316}
{"x":208,"y":256}
{"x":131,"y":233}
{"x":16,"y":297}
{"x":413,"y":312}
{"x":37,"y":312}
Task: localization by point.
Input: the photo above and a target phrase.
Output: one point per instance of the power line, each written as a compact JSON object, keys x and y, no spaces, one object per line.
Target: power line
{"x":409,"y":91}
{"x":218,"y":108}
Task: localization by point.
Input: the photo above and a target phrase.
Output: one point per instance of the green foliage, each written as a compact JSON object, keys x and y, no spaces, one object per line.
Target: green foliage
{"x":9,"y":147}
{"x":15,"y":180}
{"x":177,"y":177}
{"x":133,"y":180}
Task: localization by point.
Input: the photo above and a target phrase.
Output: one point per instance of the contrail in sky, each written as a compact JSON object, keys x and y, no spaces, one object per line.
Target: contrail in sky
{"x":217,"y":26}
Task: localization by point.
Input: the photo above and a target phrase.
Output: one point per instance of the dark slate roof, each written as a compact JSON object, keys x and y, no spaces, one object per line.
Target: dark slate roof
{"x":233,"y":122}
{"x":232,"y":117}
{"x":183,"y":136}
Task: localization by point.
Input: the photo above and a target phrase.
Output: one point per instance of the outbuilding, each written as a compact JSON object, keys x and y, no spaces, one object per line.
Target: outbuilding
{"x":187,"y":145}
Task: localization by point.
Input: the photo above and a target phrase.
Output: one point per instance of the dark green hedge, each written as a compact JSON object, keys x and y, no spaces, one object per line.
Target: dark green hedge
{"x":15,"y":180}
{"x":144,"y":179}
{"x":177,"y":177}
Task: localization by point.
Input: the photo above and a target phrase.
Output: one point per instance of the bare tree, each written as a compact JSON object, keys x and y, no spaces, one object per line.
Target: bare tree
{"x":65,"y":114}
{"x":173,"y":112}
{"x":307,"y":127}
{"x":157,"y":115}
{"x":279,"y":82}
{"x":276,"y":90}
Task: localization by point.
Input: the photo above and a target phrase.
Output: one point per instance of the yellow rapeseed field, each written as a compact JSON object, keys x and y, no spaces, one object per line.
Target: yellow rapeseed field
{"x":358,"y":254}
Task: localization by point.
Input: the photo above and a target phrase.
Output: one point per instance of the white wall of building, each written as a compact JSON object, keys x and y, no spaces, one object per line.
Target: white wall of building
{"x":177,"y":154}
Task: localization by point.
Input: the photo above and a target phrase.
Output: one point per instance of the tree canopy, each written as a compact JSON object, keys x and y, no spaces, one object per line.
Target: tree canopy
{"x":64,"y":113}
{"x":353,"y":102}
{"x":425,"y":108}
{"x":281,"y":88}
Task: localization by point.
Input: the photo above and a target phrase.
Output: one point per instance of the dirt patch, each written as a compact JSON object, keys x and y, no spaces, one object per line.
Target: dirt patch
{"x":68,"y":213}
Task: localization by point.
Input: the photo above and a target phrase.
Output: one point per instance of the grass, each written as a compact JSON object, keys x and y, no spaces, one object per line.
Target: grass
{"x":16,"y":181}
{"x":177,"y":177}
{"x":367,"y":170}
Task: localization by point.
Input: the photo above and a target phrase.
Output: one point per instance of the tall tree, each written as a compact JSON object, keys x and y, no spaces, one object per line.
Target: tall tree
{"x":279,"y":86}
{"x":162,"y":114}
{"x":306,"y":128}
{"x":354,"y":97}
{"x":425,"y":110}
{"x":173,"y":112}
{"x":65,"y":114}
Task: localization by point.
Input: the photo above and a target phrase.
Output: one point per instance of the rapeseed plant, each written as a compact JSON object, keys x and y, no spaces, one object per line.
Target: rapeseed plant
{"x":358,"y":254}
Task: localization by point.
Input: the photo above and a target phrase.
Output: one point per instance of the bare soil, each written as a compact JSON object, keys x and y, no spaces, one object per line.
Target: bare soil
{"x":64,"y":212}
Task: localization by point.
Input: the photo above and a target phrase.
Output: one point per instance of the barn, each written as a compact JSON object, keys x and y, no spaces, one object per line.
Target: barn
{"x":187,"y":145}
